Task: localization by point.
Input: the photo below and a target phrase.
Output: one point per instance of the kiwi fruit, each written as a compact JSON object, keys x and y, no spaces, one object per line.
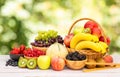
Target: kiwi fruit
{"x":32,"y":63}
{"x":22,"y":62}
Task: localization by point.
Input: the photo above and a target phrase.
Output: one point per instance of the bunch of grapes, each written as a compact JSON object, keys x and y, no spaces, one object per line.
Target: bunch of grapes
{"x":46,"y":38}
{"x":11,"y":62}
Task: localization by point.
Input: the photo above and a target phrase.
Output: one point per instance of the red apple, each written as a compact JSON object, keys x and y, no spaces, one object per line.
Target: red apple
{"x":91,"y":25}
{"x":108,"y":59}
{"x":96,"y":31}
{"x":67,"y":39}
{"x":57,"y":63}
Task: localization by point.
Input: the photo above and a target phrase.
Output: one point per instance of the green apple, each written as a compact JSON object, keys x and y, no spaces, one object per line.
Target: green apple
{"x":43,"y":62}
{"x":87,"y":30}
{"x":78,"y":30}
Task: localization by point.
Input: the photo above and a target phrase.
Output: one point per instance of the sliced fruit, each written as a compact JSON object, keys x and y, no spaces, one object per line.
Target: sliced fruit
{"x":32,"y":63}
{"x":82,"y":37}
{"x":88,"y":45}
{"x":22,"y":62}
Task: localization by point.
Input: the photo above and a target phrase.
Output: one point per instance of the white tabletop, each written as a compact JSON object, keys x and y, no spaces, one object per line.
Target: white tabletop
{"x":10,"y":71}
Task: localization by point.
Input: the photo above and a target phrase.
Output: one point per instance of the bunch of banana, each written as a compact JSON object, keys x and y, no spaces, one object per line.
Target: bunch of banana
{"x":88,"y":41}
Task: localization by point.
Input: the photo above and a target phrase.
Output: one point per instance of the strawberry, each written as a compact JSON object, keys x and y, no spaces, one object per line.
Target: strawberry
{"x":29,"y":49}
{"x":15,"y":51}
{"x":35,"y":50}
{"x":91,"y":25}
{"x":96,"y":31}
{"x":25,"y":52}
{"x":22,"y":48}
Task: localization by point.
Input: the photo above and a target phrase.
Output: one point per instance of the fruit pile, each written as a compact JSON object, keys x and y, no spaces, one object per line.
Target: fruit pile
{"x":88,"y":37}
{"x":28,"y":52}
{"x":33,"y":52}
{"x":31,"y":57}
{"x":46,"y":38}
{"x":22,"y":51}
{"x":19,"y":50}
{"x":95,"y":30}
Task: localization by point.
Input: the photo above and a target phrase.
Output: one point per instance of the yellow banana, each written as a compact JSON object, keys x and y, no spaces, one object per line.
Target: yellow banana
{"x":88,"y":44}
{"x":82,"y":37}
{"x":103,"y":46}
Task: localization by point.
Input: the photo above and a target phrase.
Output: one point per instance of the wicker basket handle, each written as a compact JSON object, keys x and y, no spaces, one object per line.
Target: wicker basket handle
{"x":103,"y":34}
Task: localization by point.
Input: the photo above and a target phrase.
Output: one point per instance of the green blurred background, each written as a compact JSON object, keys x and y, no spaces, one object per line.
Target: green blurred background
{"x":20,"y":20}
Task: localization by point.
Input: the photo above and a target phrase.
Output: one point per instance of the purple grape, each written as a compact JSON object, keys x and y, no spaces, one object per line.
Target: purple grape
{"x":11,"y":62}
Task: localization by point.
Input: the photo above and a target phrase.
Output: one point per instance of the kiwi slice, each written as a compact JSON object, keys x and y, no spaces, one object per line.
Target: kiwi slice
{"x":22,"y":62}
{"x":32,"y":63}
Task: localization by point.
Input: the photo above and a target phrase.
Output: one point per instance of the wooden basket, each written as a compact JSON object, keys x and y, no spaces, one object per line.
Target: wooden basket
{"x":89,"y":53}
{"x":41,"y":48}
{"x":75,"y":65}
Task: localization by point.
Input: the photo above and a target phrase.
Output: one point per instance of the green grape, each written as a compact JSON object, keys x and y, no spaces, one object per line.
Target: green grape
{"x":46,"y":39}
{"x":39,"y":36}
{"x":41,"y":32}
{"x":54,"y":34}
{"x":45,"y":35}
{"x":36,"y":38}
